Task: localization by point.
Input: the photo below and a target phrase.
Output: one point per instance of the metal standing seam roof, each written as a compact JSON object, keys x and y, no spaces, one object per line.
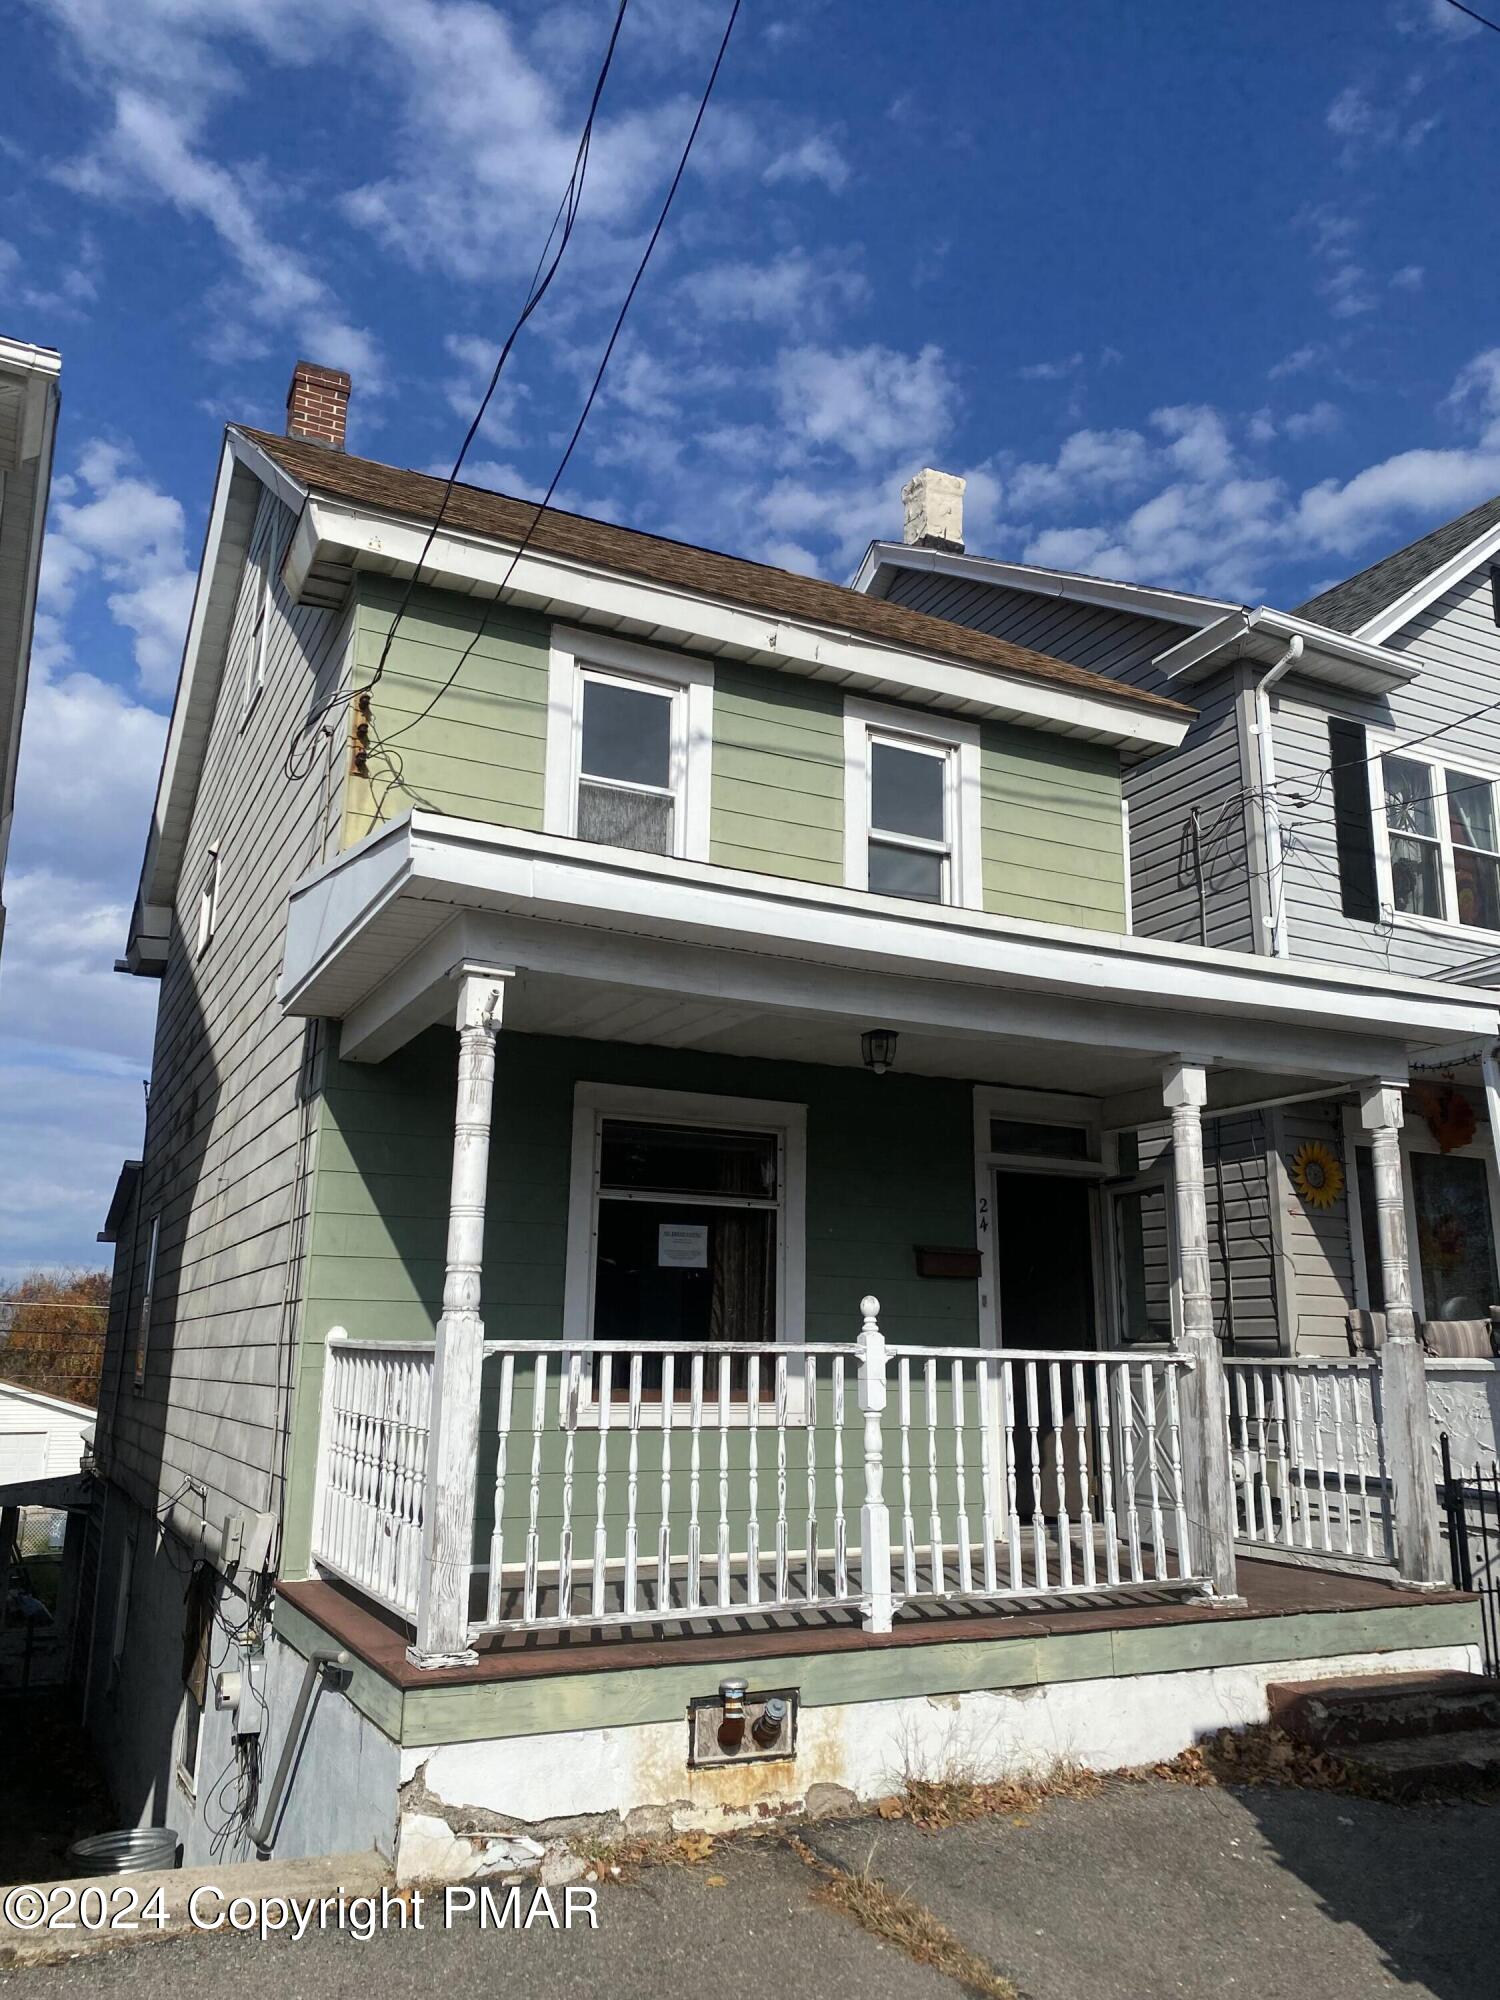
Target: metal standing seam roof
{"x":682,"y":565}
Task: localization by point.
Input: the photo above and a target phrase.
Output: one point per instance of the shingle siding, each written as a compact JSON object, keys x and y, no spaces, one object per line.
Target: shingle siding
{"x":225,"y":1122}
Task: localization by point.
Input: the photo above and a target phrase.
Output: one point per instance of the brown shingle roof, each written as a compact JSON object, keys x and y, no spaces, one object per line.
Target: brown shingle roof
{"x":754,"y":586}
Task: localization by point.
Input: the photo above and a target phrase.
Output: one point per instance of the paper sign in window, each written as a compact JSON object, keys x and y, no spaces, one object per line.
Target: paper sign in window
{"x":682,"y":1246}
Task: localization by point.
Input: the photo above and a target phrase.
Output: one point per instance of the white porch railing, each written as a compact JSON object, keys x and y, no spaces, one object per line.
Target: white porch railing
{"x":1308,"y":1446}
{"x":663,"y":1483}
{"x":669,"y":1482}
{"x":372,"y":1466}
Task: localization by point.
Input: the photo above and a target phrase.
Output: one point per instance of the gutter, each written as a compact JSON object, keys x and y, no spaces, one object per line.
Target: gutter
{"x":1233,"y":637}
{"x":1270,"y":804}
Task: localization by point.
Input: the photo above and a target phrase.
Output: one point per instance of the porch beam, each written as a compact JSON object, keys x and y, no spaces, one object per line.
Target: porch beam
{"x":1205,"y":1437}
{"x":1230,"y":1091}
{"x":453,"y":1428}
{"x":1403,"y":1368}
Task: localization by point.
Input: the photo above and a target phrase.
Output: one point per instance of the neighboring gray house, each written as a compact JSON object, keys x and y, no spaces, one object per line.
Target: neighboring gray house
{"x":1337,"y":798}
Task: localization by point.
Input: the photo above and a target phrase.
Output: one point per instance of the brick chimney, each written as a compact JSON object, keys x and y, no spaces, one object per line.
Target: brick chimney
{"x":317,"y":404}
{"x":934,"y":503}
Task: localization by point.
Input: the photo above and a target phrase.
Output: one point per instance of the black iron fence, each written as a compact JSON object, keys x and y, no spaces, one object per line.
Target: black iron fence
{"x":1471,"y":1508}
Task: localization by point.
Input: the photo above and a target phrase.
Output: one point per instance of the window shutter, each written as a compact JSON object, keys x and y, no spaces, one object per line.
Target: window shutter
{"x":1348,"y":754}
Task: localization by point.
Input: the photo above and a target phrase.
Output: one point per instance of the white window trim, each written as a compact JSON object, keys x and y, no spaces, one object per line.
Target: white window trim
{"x":690,"y":682}
{"x":208,"y":900}
{"x":255,"y":657}
{"x":864,"y":719}
{"x":143,"y":1324}
{"x":187,"y":1774}
{"x":592,"y":1104}
{"x":1382,"y":747}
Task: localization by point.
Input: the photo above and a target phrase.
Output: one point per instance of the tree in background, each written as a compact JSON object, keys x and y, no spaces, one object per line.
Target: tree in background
{"x":55,"y":1341}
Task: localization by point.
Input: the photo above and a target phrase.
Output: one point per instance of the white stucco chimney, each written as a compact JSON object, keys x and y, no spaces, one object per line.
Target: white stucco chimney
{"x":934,"y":503}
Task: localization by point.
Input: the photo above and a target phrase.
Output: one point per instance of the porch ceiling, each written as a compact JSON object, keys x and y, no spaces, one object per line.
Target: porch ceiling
{"x":611,"y":945}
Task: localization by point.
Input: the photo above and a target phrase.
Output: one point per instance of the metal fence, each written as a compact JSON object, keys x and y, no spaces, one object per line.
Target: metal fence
{"x":1471,"y":1509}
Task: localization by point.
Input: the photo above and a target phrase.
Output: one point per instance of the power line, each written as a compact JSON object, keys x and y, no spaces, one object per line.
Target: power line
{"x":541,"y":279}
{"x":1483,"y":20}
{"x":604,"y":360}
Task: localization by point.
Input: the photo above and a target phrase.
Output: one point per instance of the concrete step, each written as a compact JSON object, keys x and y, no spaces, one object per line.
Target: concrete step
{"x":1384,"y":1708}
{"x":1460,"y":1761}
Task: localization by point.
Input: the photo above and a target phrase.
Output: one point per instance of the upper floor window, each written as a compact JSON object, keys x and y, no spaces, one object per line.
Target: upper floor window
{"x":148,"y":1299}
{"x":629,"y":746}
{"x":911,"y":805}
{"x":255,"y":654}
{"x":1442,"y":836}
{"x":208,"y":899}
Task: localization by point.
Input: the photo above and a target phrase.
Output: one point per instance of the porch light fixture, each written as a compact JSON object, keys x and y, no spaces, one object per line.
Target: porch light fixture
{"x":878,"y":1047}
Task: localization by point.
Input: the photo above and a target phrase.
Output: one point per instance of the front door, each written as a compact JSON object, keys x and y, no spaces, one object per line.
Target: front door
{"x":1044,"y":1256}
{"x":1044,"y":1263}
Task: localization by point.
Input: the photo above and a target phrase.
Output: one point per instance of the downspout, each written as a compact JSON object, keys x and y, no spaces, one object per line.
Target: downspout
{"x":1270,"y":806}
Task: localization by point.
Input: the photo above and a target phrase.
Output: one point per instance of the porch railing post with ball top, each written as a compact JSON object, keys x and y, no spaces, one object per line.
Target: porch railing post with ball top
{"x":874,"y":1515}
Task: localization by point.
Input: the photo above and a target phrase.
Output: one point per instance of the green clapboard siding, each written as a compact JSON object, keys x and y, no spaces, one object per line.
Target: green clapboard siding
{"x":481,"y":753}
{"x":889,"y":1166}
{"x":1050,"y":828}
{"x":778,"y":775}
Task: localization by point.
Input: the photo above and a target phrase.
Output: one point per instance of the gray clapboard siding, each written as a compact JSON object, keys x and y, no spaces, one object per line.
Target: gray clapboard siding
{"x":225,"y":1127}
{"x":1317,"y":1240}
{"x":1458,"y":647}
{"x":1205,"y":772}
{"x":1241,"y":1239}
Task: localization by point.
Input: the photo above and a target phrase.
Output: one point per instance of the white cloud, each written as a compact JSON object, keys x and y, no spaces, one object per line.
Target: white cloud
{"x":1217,"y":522}
{"x":1198,"y":439}
{"x":791,"y":289}
{"x":72,"y":1123}
{"x":1434,"y":17}
{"x":1365,"y":126}
{"x":111,"y":524}
{"x":1297,"y":362}
{"x":1321,"y":420}
{"x":1343,"y":281}
{"x":1088,"y":461}
{"x":816,"y":158}
{"x":1052,"y":371}
{"x":868,"y":403}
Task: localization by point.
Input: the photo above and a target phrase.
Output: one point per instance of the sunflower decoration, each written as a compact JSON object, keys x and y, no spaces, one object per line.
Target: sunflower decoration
{"x":1317,"y":1174}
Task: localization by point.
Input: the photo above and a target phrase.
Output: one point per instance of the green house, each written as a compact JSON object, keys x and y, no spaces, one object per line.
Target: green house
{"x":644,"y":1189}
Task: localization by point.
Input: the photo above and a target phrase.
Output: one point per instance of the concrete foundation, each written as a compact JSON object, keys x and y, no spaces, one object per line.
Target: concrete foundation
{"x":473,"y":1807}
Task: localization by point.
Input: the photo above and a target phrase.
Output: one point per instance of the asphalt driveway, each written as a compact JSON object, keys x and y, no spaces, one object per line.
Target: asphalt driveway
{"x":1142,"y":1891}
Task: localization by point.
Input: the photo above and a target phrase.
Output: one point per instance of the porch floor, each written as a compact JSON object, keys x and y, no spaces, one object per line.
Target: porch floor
{"x":1269,"y":1589}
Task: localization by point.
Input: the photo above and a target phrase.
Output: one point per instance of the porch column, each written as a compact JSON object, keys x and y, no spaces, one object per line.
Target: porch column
{"x":1205,"y":1436}
{"x":453,"y":1422}
{"x":1403,"y":1370}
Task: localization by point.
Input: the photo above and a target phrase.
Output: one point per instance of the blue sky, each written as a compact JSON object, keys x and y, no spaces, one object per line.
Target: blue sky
{"x":1193,"y":292}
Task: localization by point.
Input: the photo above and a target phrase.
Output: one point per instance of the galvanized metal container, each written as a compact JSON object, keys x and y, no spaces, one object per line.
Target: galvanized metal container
{"x":133,"y":1850}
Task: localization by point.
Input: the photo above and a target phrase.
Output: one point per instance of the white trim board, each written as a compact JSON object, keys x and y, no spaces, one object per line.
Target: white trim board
{"x":1146,"y":600}
{"x":574,"y":650}
{"x":336,"y":531}
{"x":1329,"y":658}
{"x":866,"y":719}
{"x":425,"y":857}
{"x":594,"y":1102}
{"x":1385,"y":624}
